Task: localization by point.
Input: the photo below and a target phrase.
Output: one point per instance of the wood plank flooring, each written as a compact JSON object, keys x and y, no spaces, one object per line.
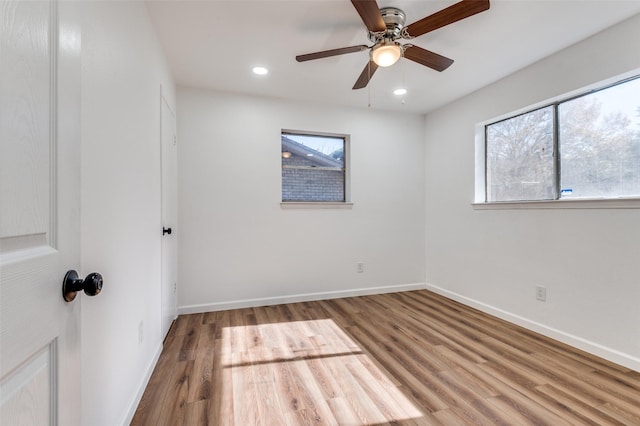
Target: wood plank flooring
{"x":412,"y":358}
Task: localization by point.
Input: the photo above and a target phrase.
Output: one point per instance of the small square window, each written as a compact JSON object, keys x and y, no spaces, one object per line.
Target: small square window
{"x":313,"y":167}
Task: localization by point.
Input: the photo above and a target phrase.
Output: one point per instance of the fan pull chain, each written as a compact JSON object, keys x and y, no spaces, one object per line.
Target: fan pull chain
{"x":402,"y":65}
{"x":369,"y":85}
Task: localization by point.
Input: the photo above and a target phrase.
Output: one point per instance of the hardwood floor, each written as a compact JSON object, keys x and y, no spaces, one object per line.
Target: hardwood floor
{"x":412,"y":358}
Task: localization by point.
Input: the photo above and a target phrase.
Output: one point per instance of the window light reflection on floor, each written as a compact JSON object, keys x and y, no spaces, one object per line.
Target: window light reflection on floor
{"x":293,"y":372}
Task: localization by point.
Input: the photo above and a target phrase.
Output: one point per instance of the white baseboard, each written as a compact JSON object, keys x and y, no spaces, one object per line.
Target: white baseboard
{"x":141,"y":388}
{"x":597,"y":349}
{"x":306,"y":297}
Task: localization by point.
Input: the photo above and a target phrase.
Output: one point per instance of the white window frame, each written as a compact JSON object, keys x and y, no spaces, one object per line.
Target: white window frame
{"x":347,"y":203}
{"x":480,"y":196}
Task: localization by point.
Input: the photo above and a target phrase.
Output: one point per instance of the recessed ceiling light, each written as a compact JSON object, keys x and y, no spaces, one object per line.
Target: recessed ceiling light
{"x":260,"y":70}
{"x":400,"y":92}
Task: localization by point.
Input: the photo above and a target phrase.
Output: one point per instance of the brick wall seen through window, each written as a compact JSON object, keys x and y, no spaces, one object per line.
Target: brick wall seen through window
{"x":313,"y":167}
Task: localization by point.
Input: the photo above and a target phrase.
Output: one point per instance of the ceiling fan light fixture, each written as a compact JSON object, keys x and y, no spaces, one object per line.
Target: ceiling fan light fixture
{"x":386,"y":54}
{"x":386,"y":25}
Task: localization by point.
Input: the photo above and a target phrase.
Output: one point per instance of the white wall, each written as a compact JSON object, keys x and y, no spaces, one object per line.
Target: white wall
{"x":238,"y":247}
{"x":492,"y":259}
{"x":122,"y":71}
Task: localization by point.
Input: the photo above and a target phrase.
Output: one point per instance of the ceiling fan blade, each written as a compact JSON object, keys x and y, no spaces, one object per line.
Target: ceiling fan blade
{"x":447,"y":16}
{"x":332,"y":52}
{"x":427,"y":58}
{"x":370,"y":14}
{"x":365,"y":75}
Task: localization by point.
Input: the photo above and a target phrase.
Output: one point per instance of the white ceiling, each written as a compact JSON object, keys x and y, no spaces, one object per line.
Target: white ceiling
{"x":214,"y":44}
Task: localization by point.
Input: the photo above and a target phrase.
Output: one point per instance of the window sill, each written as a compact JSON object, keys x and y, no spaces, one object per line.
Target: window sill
{"x":293,"y":205}
{"x":581,"y":203}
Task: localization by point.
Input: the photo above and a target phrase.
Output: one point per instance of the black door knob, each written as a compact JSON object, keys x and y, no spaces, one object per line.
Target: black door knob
{"x":166,"y":230}
{"x":91,"y":285}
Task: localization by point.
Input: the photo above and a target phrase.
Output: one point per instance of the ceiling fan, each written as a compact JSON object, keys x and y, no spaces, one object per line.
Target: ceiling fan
{"x":386,"y":25}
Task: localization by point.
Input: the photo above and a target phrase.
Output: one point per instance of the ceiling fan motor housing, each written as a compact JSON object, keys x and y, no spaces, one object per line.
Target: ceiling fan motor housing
{"x":394,"y":19}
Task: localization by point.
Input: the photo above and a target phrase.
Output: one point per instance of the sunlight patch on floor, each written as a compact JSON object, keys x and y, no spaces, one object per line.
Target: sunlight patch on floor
{"x":290,"y":373}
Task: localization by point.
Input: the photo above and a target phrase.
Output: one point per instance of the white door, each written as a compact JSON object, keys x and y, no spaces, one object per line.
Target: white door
{"x":169,"y":215}
{"x":39,"y":212}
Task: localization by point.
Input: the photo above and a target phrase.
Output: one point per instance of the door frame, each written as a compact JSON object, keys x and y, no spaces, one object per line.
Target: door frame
{"x":169,"y":243}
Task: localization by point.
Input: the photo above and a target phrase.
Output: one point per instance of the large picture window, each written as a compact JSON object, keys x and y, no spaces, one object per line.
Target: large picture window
{"x":585,"y":147}
{"x":313,"y":167}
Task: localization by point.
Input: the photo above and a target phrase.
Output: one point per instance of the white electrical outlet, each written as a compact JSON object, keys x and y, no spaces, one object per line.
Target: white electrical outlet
{"x":141,"y":332}
{"x":360,"y":267}
{"x":541,"y":293}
